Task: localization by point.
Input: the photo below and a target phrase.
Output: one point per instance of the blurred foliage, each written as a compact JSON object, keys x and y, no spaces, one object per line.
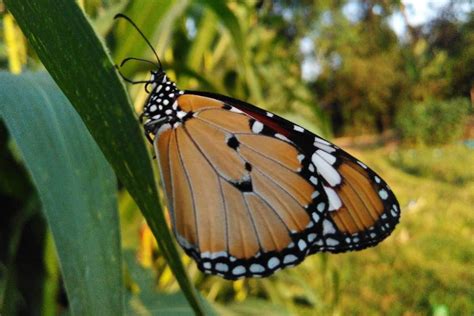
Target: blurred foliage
{"x":433,"y":122}
{"x":365,"y":79}
{"x":451,"y":164}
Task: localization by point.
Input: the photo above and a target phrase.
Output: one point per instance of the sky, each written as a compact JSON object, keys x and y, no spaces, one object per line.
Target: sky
{"x":418,"y":12}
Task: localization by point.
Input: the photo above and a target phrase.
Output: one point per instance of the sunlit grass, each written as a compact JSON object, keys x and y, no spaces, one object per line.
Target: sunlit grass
{"x":453,"y":163}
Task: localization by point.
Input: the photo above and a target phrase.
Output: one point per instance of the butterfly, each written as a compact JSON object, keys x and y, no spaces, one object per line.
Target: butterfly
{"x":249,"y":192}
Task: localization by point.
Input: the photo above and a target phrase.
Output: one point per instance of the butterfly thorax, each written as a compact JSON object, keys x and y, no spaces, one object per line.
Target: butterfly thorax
{"x":162,"y":106}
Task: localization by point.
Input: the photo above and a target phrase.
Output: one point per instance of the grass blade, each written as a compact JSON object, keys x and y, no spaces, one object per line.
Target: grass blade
{"x":76,"y":187}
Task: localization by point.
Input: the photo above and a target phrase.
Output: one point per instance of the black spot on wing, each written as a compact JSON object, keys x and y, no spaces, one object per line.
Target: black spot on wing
{"x":243,"y":186}
{"x":233,"y":143}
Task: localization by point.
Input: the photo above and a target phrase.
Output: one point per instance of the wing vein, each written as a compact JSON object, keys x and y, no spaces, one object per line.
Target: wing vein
{"x":367,"y":204}
{"x":191,"y":189}
{"x":225,"y":217}
{"x":253,"y":222}
{"x":275,"y":182}
{"x":273,"y":209}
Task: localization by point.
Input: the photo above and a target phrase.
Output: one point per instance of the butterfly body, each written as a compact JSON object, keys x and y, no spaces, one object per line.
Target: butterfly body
{"x":250,"y":193}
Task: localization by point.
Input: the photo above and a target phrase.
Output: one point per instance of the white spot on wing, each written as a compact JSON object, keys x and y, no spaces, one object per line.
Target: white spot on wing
{"x":315,"y":217}
{"x":334,"y":200}
{"x":256,"y":268}
{"x":332,"y":242}
{"x":273,"y":262}
{"x":328,"y":157}
{"x":326,"y":170}
{"x":383,"y":194}
{"x":298,"y":128}
{"x":282,"y":137}
{"x":257,"y":127}
{"x":301,"y":245}
{"x":218,"y":254}
{"x":322,"y":141}
{"x":324,"y":147}
{"x":239,"y":270}
{"x":236,"y":110}
{"x":289,"y":259}
{"x":222,"y":267}
{"x":328,"y":227}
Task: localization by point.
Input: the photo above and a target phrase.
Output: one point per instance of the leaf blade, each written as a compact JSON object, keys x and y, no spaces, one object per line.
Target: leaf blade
{"x":76,"y":187}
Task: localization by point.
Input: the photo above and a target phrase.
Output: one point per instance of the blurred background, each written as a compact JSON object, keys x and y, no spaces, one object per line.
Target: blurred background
{"x":392,"y":81}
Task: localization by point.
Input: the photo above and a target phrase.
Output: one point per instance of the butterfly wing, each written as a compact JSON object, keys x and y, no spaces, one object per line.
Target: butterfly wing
{"x":250,"y":192}
{"x":361,"y":204}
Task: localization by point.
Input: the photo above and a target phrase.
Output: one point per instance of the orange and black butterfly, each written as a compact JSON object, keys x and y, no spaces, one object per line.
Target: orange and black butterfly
{"x":250,"y":193}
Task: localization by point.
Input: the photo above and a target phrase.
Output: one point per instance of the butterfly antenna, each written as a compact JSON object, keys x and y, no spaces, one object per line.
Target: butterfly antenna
{"x":139,"y":59}
{"x":120,"y":15}
{"x":129,"y":80}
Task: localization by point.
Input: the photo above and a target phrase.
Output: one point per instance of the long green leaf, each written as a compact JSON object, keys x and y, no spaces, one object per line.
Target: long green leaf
{"x":204,"y":37}
{"x":77,"y":60}
{"x":76,"y":187}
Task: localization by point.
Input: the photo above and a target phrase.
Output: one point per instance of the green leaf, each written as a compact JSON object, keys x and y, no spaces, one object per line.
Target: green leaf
{"x":205,"y":34}
{"x":76,"y":187}
{"x":77,"y":60}
{"x":230,"y":21}
{"x":148,"y":301}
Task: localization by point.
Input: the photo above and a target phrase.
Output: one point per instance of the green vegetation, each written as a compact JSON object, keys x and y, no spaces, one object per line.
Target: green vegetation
{"x":61,"y":248}
{"x":433,"y":122}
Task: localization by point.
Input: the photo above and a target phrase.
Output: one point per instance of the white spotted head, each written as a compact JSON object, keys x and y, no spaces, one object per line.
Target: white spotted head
{"x":162,"y":97}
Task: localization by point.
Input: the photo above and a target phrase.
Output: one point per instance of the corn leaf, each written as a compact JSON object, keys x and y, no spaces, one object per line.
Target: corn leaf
{"x":76,"y":186}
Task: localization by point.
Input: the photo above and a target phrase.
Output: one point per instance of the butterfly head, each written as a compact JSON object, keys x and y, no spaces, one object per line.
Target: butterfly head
{"x":162,"y":106}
